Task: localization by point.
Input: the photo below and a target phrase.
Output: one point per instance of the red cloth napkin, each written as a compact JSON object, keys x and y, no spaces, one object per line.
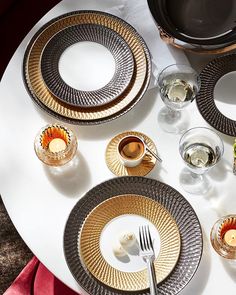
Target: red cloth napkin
{"x":36,"y":279}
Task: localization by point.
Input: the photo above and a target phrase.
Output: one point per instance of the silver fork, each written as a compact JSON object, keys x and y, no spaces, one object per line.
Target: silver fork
{"x":147,"y":252}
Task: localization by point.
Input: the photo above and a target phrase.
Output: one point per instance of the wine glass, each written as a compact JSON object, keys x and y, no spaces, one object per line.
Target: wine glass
{"x":179,"y":85}
{"x":201,"y":149}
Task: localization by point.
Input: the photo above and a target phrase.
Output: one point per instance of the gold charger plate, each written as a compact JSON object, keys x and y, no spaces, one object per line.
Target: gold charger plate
{"x":94,"y":224}
{"x":140,"y":80}
{"x":116,"y":167}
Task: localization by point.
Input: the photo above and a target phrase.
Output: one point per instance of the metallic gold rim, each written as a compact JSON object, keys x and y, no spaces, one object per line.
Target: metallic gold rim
{"x":129,"y":204}
{"x":37,"y":86}
{"x":116,"y":167}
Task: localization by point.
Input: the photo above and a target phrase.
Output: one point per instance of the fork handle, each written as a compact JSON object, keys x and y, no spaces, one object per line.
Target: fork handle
{"x":152,"y":277}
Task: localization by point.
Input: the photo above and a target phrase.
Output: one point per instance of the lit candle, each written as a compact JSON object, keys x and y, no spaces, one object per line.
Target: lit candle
{"x":230,"y":237}
{"x":57,"y":145}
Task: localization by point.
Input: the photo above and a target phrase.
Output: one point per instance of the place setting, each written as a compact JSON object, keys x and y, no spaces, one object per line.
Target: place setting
{"x":50,"y":81}
{"x":103,"y":247}
{"x":128,"y":224}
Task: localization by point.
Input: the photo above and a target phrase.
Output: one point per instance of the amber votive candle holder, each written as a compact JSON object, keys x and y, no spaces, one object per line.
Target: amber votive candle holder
{"x":223,"y":237}
{"x":55,"y":145}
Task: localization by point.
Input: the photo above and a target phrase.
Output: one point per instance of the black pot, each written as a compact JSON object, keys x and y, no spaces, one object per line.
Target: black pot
{"x":200,"y":22}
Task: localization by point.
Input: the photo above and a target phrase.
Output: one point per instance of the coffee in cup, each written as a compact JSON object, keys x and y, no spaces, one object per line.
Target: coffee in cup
{"x":131,"y":150}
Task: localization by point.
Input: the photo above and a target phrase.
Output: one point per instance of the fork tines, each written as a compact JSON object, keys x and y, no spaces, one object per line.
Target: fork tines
{"x":145,"y":238}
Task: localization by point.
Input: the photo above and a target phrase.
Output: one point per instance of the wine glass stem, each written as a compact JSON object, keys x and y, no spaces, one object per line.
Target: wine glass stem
{"x":173,"y":114}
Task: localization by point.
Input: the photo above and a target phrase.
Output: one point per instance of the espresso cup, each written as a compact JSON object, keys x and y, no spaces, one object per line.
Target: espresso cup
{"x":131,"y":150}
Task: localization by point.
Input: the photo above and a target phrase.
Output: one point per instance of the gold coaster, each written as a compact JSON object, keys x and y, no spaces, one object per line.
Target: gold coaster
{"x":129,"y":204}
{"x":116,"y":167}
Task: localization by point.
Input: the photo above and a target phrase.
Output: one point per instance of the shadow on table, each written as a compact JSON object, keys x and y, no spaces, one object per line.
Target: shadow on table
{"x":230,"y":267}
{"x":222,"y":202}
{"x":199,"y":281}
{"x":228,"y":139}
{"x":129,"y":121}
{"x":72,"y":178}
{"x":220,"y":171}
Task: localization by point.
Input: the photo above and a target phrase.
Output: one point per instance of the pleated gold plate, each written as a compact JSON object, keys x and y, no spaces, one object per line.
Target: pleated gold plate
{"x":116,"y":167}
{"x":138,"y":83}
{"x":129,"y":204}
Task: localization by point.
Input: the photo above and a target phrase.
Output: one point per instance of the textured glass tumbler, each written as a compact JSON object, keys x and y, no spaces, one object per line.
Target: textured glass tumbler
{"x":223,"y":237}
{"x":55,"y":145}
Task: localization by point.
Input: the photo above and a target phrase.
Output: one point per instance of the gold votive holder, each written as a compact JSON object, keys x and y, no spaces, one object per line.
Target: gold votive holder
{"x":55,"y":145}
{"x":223,"y":237}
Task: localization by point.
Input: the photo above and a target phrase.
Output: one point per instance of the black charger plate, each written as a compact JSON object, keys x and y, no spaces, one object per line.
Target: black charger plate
{"x":205,"y":98}
{"x":168,"y":197}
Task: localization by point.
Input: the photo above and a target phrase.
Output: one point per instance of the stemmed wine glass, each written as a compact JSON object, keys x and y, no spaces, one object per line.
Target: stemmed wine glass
{"x":178,"y":86}
{"x":201,"y":149}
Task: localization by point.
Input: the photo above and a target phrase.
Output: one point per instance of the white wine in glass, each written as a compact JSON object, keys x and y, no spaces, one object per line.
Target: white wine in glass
{"x":201,"y":149}
{"x":178,"y":85}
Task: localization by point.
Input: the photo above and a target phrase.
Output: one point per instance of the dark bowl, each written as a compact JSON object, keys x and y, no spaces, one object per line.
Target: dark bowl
{"x":201,"y":22}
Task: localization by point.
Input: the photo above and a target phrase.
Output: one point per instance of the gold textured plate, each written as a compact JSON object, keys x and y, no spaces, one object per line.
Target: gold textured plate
{"x":139,"y":81}
{"x":129,"y":204}
{"x":116,"y":167}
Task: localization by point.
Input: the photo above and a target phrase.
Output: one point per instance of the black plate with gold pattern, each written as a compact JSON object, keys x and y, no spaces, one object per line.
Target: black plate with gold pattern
{"x":124,"y":65}
{"x":43,"y":98}
{"x":205,"y":98}
{"x":170,"y":199}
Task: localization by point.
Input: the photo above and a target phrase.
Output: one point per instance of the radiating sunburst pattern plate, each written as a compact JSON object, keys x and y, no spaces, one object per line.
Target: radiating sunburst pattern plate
{"x":209,"y":77}
{"x":119,"y":49}
{"x":179,"y":208}
{"x":78,"y":115}
{"x":112,"y":208}
{"x":116,"y":167}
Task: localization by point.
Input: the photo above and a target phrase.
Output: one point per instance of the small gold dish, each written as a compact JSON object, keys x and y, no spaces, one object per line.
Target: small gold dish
{"x":118,"y":168}
{"x":55,"y":145}
{"x":123,"y":205}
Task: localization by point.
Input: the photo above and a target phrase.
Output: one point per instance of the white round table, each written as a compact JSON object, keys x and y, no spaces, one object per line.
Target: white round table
{"x":39,"y":200}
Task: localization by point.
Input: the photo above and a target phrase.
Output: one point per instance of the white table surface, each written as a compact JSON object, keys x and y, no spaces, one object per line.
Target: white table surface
{"x":39,"y":201}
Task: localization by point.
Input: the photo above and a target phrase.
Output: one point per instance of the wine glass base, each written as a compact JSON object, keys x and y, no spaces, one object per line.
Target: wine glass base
{"x":173,"y":121}
{"x":194,"y":183}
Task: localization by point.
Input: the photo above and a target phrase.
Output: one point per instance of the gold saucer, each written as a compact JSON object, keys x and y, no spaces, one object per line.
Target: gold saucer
{"x":116,"y":167}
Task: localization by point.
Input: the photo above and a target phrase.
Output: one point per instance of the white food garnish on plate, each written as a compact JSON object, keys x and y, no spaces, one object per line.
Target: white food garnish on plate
{"x":127,"y":239}
{"x":118,"y":250}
